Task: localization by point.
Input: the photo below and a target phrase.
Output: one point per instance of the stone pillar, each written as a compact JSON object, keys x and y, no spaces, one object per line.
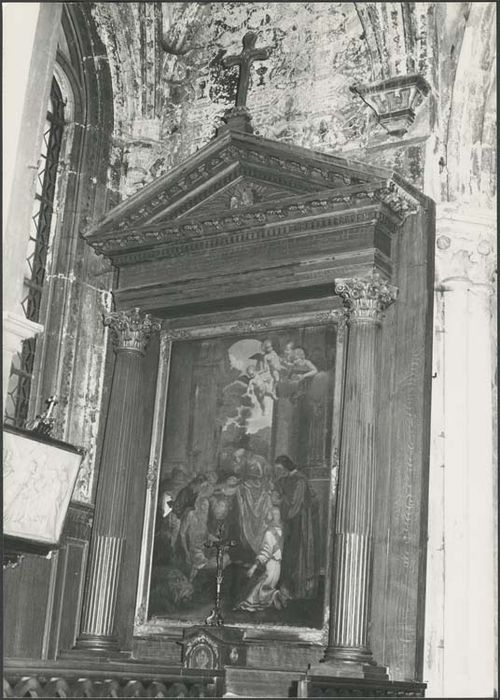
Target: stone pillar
{"x":30,"y":33}
{"x":131,"y":331}
{"x":348,"y":645}
{"x":461,"y":611}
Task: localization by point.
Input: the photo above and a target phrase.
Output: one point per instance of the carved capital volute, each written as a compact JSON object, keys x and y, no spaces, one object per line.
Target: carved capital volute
{"x":130,"y":329}
{"x":365,"y":298}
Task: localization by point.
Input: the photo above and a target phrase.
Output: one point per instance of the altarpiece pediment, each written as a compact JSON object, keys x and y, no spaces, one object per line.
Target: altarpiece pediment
{"x":273,"y":200}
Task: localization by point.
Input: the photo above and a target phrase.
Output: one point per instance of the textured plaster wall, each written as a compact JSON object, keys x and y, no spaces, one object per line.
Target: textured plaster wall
{"x":171,"y":89}
{"x":299,"y":95}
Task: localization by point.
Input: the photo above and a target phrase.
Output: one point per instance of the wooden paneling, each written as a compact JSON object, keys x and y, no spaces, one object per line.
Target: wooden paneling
{"x":68,"y":596}
{"x":27,"y":590}
{"x":42,"y":596}
{"x":263,"y":278}
{"x":403,"y":449}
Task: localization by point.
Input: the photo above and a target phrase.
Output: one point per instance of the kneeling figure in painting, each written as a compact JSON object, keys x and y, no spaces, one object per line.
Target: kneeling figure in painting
{"x":265,"y":592}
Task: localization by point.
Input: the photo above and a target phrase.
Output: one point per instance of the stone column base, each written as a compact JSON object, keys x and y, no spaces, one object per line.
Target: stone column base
{"x":95,"y":650}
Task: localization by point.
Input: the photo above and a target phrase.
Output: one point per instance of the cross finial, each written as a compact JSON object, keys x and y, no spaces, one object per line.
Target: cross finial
{"x":244,"y":60}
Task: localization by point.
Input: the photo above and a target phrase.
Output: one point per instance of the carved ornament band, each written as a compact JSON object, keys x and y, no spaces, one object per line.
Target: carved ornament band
{"x":131,"y":329}
{"x":365,"y":298}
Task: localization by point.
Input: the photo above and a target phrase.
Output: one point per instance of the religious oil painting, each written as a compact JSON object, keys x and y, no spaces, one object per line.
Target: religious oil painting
{"x":246,"y":457}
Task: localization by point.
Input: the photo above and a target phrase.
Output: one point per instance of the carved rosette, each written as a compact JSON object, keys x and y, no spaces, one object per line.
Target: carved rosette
{"x":365,"y":298}
{"x":131,"y":329}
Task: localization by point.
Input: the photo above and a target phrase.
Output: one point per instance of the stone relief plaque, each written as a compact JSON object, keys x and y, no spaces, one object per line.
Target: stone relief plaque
{"x":38,"y":481}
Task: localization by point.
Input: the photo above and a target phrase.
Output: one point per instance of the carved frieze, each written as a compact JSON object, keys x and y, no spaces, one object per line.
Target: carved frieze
{"x":359,"y":207}
{"x":131,"y":329}
{"x":251,"y":326}
{"x":177,"y":334}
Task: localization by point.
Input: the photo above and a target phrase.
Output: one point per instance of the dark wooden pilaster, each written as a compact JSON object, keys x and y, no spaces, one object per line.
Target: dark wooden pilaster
{"x":131,"y":331}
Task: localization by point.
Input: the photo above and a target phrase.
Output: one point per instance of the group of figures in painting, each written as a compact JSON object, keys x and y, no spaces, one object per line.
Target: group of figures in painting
{"x":265,"y":503}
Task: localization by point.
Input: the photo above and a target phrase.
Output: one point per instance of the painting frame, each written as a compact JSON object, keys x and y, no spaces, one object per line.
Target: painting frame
{"x":144,"y":626}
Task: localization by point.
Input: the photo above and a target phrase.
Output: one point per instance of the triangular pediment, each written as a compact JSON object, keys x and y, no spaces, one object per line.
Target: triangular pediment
{"x":239,"y":193}
{"x":235,"y":170}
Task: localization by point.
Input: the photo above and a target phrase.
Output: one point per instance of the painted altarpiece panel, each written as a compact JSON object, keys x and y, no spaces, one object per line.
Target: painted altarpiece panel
{"x":229,"y":402}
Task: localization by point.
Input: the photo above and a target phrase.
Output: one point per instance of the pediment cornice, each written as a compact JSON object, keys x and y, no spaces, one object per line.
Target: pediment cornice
{"x":231,"y":157}
{"x":384,"y":201}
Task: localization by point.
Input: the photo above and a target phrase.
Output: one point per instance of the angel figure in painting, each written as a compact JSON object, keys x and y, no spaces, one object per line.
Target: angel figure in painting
{"x":268,"y":367}
{"x":265,"y":593}
{"x":259,"y":386}
{"x":301,"y":368}
{"x":287,"y":359}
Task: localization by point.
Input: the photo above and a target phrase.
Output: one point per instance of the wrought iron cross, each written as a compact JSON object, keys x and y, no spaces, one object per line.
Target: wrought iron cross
{"x":244,"y":60}
{"x":221,"y":545}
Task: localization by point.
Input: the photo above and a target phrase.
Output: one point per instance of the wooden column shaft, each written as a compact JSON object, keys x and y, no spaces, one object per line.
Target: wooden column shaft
{"x":124,"y":430}
{"x":120,"y":446}
{"x":353,"y":536}
{"x":354,"y":515}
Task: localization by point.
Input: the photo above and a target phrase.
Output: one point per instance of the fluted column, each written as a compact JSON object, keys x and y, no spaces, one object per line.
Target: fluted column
{"x":365,"y":300}
{"x":131,"y":331}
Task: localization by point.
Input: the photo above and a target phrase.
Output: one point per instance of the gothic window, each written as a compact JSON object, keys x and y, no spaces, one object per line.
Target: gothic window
{"x":21,"y":375}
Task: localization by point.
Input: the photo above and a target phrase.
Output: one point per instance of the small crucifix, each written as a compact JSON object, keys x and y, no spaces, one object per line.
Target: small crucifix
{"x":244,"y":60}
{"x":221,"y":546}
{"x":44,"y":423}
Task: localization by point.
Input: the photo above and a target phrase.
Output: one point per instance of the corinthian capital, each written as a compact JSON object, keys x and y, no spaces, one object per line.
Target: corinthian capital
{"x":365,"y":298}
{"x":131,"y":329}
